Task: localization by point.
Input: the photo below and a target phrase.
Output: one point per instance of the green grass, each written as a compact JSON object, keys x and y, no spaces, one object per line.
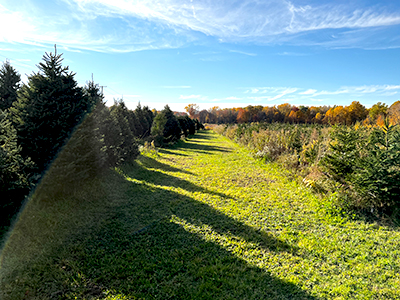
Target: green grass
{"x":202,"y":220}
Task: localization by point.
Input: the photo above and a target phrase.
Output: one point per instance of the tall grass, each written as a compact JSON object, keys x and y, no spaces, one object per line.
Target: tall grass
{"x":359,"y":165}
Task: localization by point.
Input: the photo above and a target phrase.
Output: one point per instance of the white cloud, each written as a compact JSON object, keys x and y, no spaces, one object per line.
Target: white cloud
{"x":292,"y":54}
{"x":391,"y":87}
{"x":132,"y":25}
{"x":360,"y":90}
{"x":244,"y":53}
{"x":343,"y":94}
{"x":308,"y":92}
{"x":274,"y":93}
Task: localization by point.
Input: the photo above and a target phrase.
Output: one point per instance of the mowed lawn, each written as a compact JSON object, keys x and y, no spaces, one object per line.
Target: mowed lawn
{"x":202,"y":220}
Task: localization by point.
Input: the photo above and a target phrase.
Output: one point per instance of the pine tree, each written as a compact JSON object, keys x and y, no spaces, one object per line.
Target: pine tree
{"x":148,"y":114}
{"x":49,"y":107}
{"x":143,"y":122}
{"x":183,"y":123}
{"x":9,"y":85}
{"x":14,"y":183}
{"x":128,"y":146}
{"x":165,"y":127}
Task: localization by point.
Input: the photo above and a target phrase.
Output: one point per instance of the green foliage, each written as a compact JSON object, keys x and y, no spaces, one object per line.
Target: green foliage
{"x":378,"y":109}
{"x":361,"y":165}
{"x":85,"y":155}
{"x":377,"y":180}
{"x":165,"y":128}
{"x":125,"y":142}
{"x":367,"y":165}
{"x":49,"y":107}
{"x":202,"y":221}
{"x":187,"y":125}
{"x":9,"y":85}
{"x":144,"y":117}
{"x":344,"y":153}
{"x":14,"y":183}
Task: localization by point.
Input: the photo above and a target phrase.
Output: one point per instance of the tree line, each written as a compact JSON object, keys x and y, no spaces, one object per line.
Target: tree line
{"x":287,"y":113}
{"x":51,"y":121}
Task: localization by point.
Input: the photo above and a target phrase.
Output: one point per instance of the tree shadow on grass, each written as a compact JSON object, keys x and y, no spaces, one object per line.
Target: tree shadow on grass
{"x":198,"y":212}
{"x":165,"y":151}
{"x":141,"y":249}
{"x":200,"y":147}
{"x":167,"y":261}
{"x":152,"y":163}
{"x":139,"y":172}
{"x":198,"y":143}
{"x":202,"y":135}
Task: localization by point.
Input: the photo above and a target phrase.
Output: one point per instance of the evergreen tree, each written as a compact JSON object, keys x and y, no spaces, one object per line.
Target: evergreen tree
{"x":165,"y":127}
{"x":143,"y":122}
{"x":134,"y":124}
{"x":14,"y":184}
{"x":84,"y":155}
{"x":128,"y":146}
{"x":192,"y":125}
{"x":48,"y":109}
{"x":9,"y":85}
{"x":184,"y":124}
{"x":112,"y":136}
{"x":148,"y":114}
{"x":378,"y":176}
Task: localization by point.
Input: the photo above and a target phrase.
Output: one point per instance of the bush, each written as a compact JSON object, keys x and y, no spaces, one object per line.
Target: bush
{"x":377,"y":180}
{"x":367,"y":166}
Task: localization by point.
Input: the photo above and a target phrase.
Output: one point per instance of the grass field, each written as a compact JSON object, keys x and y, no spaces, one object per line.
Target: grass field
{"x":203,"y":220}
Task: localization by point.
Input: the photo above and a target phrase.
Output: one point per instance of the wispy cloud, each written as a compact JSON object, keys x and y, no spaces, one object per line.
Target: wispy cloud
{"x":308,"y":92}
{"x":292,"y":54}
{"x":242,"y":52}
{"x":355,"y":90}
{"x":128,"y":25}
{"x":274,"y":93}
{"x":342,"y":94}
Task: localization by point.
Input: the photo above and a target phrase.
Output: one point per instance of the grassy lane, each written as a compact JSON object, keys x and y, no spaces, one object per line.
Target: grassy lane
{"x":201,"y":221}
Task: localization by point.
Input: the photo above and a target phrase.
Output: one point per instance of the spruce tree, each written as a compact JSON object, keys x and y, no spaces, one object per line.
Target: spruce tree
{"x":84,"y":155}
{"x":165,"y":127}
{"x":49,"y":107}
{"x":14,"y":183}
{"x":143,"y":122}
{"x":183,"y":123}
{"x":9,"y":85}
{"x":148,"y":114}
{"x":128,"y":146}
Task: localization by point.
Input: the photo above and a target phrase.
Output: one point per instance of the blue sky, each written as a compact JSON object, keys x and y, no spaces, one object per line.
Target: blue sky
{"x":222,"y":53}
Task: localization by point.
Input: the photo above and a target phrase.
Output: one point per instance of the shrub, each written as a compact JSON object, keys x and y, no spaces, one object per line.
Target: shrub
{"x":377,"y":180}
